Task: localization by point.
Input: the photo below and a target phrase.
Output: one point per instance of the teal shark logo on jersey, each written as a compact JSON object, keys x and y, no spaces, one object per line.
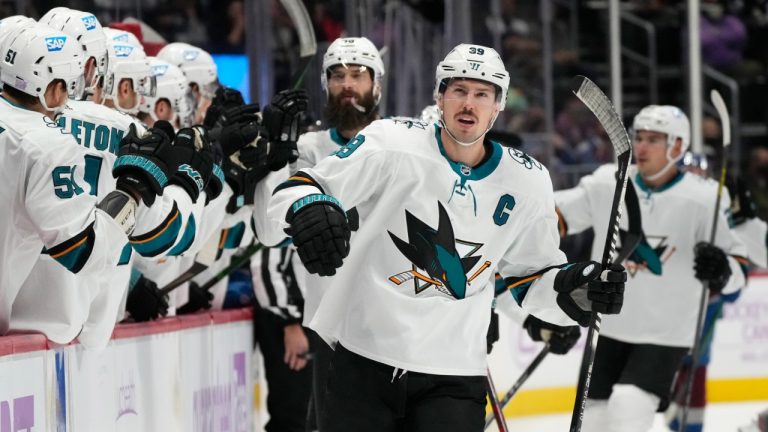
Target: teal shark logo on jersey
{"x":650,"y":255}
{"x":436,"y":258}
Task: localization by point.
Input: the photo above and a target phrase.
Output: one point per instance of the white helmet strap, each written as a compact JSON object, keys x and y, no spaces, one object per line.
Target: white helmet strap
{"x":671,"y":162}
{"x":465,"y":143}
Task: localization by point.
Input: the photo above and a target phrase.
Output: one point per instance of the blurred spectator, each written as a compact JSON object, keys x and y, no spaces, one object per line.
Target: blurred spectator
{"x":584,"y":140}
{"x":327,"y":18}
{"x":226,"y":26}
{"x":724,"y":40}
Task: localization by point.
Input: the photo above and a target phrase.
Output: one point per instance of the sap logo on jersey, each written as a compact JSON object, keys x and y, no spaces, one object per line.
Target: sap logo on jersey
{"x":190,"y":55}
{"x":159,"y":70}
{"x":89,"y":22}
{"x":55,"y":43}
{"x":122,"y":51}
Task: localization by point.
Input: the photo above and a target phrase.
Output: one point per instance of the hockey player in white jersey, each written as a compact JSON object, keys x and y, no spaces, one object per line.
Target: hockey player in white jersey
{"x":200,"y":70}
{"x":93,"y":313}
{"x":440,"y":208}
{"x":639,"y":351}
{"x":173,"y":98}
{"x":51,"y":203}
{"x":351,"y":76}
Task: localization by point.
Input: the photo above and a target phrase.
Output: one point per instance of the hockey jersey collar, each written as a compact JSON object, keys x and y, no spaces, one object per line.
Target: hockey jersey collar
{"x":647,"y":189}
{"x":336,"y":137}
{"x":468,"y":173}
{"x":15,"y":105}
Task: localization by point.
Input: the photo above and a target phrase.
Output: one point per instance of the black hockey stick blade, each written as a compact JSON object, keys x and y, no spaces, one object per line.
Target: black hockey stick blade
{"x":203,"y":260}
{"x":634,"y":234}
{"x":597,"y":102}
{"x":489,"y":419}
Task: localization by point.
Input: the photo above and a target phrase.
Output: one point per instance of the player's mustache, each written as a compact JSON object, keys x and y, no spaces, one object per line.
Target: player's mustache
{"x":466,"y":113}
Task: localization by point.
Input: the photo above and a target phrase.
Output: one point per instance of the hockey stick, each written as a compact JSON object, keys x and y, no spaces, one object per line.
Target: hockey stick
{"x":609,"y":119}
{"x":307,"y":41}
{"x":519,"y":383}
{"x":203,"y":260}
{"x":725,"y":120}
{"x":234,"y":265}
{"x":501,"y":422}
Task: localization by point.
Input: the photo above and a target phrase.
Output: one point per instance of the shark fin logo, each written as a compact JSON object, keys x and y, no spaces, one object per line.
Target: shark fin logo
{"x":650,"y":255}
{"x":437,"y":261}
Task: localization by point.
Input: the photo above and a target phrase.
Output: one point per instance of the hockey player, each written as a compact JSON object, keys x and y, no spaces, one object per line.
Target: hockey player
{"x":94,"y":312}
{"x":639,"y":351}
{"x":351,"y":76}
{"x":752,"y":233}
{"x":200,"y":70}
{"x":51,"y":201}
{"x":172,"y":101}
{"x":440,"y":207}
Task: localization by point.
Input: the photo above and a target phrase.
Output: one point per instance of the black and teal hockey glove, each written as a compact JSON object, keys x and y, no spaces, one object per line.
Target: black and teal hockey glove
{"x":585,"y":287}
{"x":199,"y":299}
{"x":560,"y":339}
{"x":320,"y":232}
{"x":196,"y":167}
{"x":711,"y":266}
{"x":145,"y":163}
{"x":281,"y":120}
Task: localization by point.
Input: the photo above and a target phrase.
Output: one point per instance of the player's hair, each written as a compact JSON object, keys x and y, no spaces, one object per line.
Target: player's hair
{"x":20,"y":96}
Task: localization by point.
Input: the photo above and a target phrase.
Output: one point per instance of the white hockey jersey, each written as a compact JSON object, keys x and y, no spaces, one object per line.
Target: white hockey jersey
{"x":272,"y":294}
{"x":662,"y":294}
{"x":46,"y":204}
{"x":416,"y":290}
{"x":58,"y":303}
{"x":754,"y":234}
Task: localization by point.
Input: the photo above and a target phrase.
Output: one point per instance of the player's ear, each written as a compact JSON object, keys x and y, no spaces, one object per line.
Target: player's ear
{"x":677,"y":148}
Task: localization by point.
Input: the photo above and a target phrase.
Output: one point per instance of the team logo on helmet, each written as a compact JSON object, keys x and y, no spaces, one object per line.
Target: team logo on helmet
{"x":55,"y":43}
{"x":123,"y":50}
{"x":89,"y":22}
{"x":159,"y":70}
{"x":438,"y":259}
{"x":190,"y":55}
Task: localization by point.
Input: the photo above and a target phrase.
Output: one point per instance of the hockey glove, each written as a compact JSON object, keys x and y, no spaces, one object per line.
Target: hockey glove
{"x":711,"y":265}
{"x":146,"y":301}
{"x":145,"y":164}
{"x":320,"y":233}
{"x":242,"y":181}
{"x":199,"y":299}
{"x":584,"y":288}
{"x":281,"y":119}
{"x":560,"y":339}
{"x":196,"y":167}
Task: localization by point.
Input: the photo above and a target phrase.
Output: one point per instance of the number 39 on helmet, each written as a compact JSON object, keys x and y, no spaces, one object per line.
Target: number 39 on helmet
{"x":473,"y":62}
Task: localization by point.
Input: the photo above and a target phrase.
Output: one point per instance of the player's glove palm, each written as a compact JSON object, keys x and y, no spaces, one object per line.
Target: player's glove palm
{"x":145,"y":163}
{"x":560,"y":339}
{"x":585,"y":287}
{"x":146,"y":301}
{"x":281,"y":119}
{"x":320,"y":233}
{"x":711,"y":265}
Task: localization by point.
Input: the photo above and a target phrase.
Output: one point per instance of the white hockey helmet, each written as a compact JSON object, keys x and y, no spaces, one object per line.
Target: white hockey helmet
{"x":86,"y":29}
{"x":11,"y":23}
{"x":198,"y":66}
{"x":35,"y":56}
{"x":127,"y":61}
{"x":122,"y":36}
{"x":474,"y":62}
{"x":172,"y":85}
{"x":666,"y":119}
{"x":357,"y":51}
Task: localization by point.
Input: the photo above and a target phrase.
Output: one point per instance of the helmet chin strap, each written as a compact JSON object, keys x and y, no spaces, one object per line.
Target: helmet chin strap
{"x":465,"y":143}
{"x":671,"y":162}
